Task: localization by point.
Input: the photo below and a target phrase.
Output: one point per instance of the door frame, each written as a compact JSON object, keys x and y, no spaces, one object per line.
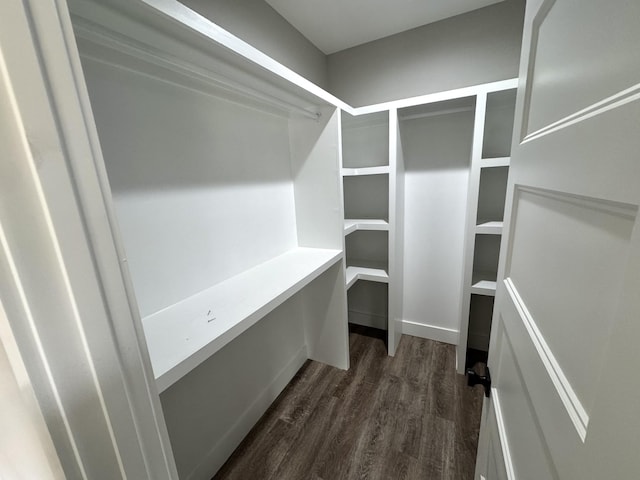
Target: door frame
{"x":58,"y":238}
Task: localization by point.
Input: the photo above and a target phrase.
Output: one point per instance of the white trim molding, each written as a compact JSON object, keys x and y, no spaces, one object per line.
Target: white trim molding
{"x":430,"y":332}
{"x":502,"y":434}
{"x":570,"y":400}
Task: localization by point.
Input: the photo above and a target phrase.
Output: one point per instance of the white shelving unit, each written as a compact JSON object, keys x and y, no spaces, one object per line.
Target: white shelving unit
{"x":233,"y":249}
{"x":240,"y":254}
{"x":485,"y":214}
{"x":370,"y":179}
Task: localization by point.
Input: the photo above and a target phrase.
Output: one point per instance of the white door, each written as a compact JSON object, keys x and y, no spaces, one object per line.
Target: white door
{"x":565,"y":399}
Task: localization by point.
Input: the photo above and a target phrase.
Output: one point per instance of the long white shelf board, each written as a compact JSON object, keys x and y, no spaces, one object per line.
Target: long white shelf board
{"x":353,"y":224}
{"x":489,"y":228}
{"x":199,"y":34}
{"x":495,"y":162}
{"x":182,"y":336}
{"x":352,"y":172}
{"x":484,"y":284}
{"x":365,"y":273}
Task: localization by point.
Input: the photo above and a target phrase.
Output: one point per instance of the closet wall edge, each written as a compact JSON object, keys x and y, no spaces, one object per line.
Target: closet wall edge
{"x":315,"y":158}
{"x":396,"y":233}
{"x":470,"y":229}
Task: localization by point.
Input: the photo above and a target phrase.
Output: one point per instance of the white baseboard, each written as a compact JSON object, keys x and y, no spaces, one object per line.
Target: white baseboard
{"x":368,"y":319}
{"x":431,"y":332}
{"x":223,"y":449}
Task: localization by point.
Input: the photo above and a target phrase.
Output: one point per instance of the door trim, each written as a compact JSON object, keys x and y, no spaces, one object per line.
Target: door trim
{"x":572,"y":404}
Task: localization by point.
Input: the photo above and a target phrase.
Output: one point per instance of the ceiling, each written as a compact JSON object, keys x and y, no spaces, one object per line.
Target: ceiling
{"x":333,"y":25}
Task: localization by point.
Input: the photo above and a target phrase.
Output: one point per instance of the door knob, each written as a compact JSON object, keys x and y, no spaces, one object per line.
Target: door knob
{"x":474,"y":378}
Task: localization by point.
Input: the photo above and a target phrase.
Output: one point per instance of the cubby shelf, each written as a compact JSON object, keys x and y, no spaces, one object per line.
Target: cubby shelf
{"x":182,"y":336}
{"x":489,"y":228}
{"x":484,"y":283}
{"x":352,"y":172}
{"x":495,"y":162}
{"x":351,"y":225}
{"x":354,"y":274}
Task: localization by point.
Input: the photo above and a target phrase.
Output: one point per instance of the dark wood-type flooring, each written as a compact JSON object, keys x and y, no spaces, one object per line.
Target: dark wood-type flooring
{"x":404,"y":417}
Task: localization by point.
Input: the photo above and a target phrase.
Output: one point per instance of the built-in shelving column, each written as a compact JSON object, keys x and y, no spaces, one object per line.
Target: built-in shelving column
{"x":396,"y":233}
{"x":485,"y":215}
{"x":366,"y":188}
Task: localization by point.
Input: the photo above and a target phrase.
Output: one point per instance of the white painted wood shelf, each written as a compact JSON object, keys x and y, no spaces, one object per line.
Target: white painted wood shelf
{"x":182,"y":336}
{"x":354,"y":172}
{"x":484,"y":283}
{"x":355,"y":273}
{"x":351,"y":225}
{"x":495,"y":162}
{"x":489,"y":228}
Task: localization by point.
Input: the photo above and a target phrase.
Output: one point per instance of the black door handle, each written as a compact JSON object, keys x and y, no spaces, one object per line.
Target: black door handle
{"x":485,"y":380}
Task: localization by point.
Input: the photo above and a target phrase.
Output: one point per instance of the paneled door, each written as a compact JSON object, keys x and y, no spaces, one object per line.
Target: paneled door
{"x":565,"y":397}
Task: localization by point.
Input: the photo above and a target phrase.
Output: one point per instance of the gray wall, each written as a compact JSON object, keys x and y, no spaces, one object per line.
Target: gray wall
{"x":255,"y":22}
{"x":477,"y":47}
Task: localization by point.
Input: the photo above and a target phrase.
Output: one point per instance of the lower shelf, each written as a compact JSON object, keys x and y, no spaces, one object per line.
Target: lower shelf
{"x":484,"y":284}
{"x":364,"y":273}
{"x":182,"y":336}
{"x":351,"y":225}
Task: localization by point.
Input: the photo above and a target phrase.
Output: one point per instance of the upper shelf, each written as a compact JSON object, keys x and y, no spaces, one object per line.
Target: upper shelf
{"x":352,"y":172}
{"x":167,"y":37}
{"x":495,"y":162}
{"x":184,"y":335}
{"x":351,"y":225}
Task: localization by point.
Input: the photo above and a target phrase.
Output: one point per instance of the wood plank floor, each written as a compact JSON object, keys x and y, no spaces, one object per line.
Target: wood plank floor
{"x":404,"y":417}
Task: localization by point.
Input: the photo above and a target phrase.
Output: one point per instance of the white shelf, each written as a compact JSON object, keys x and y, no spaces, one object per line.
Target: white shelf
{"x":182,"y":336}
{"x":351,"y":225}
{"x":484,"y":284}
{"x":365,"y":273}
{"x":352,"y":172}
{"x":495,"y":162}
{"x":489,"y":228}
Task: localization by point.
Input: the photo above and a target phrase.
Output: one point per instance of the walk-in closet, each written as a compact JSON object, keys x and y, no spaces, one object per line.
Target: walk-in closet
{"x":259,"y":215}
{"x":265,"y":239}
